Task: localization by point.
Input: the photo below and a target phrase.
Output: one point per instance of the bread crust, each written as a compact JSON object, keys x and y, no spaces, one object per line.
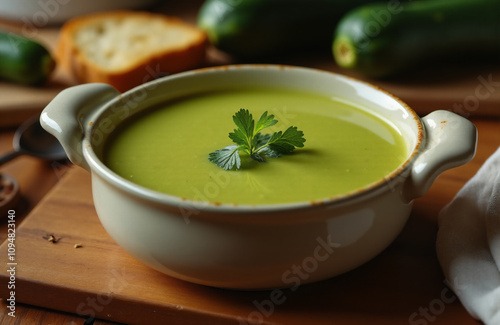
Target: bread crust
{"x":181,"y":58}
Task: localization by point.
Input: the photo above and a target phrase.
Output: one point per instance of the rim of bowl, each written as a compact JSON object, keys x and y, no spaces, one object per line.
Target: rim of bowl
{"x":361,"y":193}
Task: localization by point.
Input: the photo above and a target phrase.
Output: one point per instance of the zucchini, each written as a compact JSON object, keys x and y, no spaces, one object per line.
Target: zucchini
{"x":263,"y":28}
{"x":24,"y":61}
{"x":382,"y":40}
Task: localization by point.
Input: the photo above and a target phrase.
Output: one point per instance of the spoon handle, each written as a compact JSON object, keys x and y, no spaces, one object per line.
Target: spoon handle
{"x":9,"y":156}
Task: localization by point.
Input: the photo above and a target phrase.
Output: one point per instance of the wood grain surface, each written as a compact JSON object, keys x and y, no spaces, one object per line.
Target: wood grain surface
{"x":60,"y":284}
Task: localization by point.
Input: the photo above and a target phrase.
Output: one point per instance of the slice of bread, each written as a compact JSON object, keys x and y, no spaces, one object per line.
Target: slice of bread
{"x":128,"y":48}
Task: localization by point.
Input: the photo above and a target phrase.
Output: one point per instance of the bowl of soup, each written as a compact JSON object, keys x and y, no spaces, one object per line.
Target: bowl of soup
{"x":320,"y":211}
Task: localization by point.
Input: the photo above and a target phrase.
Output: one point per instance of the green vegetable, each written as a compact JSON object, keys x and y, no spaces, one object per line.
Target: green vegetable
{"x":387,"y":38}
{"x":258,"y":146}
{"x":24,"y":61}
{"x":262,"y":28}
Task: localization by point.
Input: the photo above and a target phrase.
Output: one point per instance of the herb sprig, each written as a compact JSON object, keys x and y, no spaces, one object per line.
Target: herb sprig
{"x":248,"y":138}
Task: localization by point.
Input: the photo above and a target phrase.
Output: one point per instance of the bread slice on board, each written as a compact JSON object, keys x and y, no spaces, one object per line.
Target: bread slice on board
{"x":128,"y":48}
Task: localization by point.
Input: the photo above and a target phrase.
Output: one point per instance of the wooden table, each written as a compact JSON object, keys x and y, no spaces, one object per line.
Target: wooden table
{"x":424,"y":279}
{"x":36,"y":178}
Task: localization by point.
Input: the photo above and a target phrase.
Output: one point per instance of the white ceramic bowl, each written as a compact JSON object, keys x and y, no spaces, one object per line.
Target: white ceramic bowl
{"x":258,"y":247}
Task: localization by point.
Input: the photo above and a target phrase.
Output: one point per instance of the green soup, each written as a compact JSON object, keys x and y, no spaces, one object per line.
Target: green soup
{"x":167,"y":148}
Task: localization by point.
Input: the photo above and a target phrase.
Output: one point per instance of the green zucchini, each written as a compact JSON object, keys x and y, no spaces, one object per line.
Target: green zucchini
{"x":263,"y":28}
{"x":24,"y":61}
{"x":386,"y":39}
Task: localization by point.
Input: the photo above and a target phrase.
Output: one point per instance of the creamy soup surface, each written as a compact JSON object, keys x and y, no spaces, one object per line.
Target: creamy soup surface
{"x":167,"y":148}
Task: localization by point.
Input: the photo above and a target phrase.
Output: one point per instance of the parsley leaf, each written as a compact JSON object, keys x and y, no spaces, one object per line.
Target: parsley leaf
{"x":258,"y":146}
{"x":264,"y":122}
{"x":227,"y":157}
{"x":244,"y":133}
{"x":287,"y":141}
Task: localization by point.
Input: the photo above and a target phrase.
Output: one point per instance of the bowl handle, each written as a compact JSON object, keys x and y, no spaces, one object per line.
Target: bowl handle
{"x":68,"y":114}
{"x":450,"y":141}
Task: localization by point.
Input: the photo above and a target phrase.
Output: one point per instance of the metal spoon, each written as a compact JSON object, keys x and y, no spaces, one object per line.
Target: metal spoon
{"x":31,"y":139}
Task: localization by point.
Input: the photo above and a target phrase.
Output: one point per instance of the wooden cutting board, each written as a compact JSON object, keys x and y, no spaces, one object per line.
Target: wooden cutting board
{"x":467,"y":89}
{"x":101,"y":280}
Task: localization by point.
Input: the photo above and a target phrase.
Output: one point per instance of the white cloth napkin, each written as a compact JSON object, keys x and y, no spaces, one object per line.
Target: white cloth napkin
{"x":468,"y":243}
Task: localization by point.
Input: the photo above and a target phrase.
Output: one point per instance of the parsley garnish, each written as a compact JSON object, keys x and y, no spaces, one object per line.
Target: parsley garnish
{"x":247,"y":138}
